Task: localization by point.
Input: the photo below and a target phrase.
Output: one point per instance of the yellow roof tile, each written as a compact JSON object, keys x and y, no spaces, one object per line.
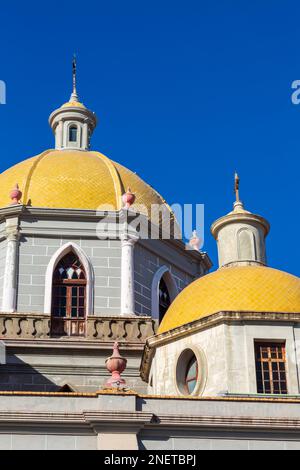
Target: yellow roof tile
{"x":73,"y":179}
{"x":235,"y":289}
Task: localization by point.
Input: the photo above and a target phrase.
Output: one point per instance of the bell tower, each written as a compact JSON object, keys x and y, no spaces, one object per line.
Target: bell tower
{"x":73,"y":124}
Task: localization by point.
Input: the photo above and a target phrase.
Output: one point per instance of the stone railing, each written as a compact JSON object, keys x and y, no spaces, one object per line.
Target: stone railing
{"x":102,"y":329}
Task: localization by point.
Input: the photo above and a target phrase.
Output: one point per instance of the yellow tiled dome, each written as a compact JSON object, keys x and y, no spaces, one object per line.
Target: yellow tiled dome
{"x":235,"y":289}
{"x":74,"y":179}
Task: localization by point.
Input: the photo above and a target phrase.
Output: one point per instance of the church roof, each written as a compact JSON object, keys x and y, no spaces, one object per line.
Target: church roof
{"x":73,"y":179}
{"x":235,"y":289}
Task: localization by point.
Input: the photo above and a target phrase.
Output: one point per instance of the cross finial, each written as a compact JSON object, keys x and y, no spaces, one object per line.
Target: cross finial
{"x":237,"y":187}
{"x":74,"y":96}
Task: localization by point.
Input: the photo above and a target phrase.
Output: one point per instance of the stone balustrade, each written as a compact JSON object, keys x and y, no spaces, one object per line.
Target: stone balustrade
{"x":102,"y":329}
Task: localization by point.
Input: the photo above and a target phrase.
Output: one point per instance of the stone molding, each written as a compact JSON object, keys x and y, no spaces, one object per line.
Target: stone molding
{"x":232,"y":422}
{"x":114,"y":421}
{"x":19,"y":326}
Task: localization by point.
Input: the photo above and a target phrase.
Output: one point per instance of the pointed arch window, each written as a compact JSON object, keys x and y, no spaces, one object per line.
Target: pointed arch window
{"x":164,"y":299}
{"x":68,"y":316}
{"x":164,"y":291}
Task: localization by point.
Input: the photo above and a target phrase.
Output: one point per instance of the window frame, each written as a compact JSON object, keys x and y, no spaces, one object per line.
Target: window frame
{"x":163,"y":306}
{"x":193,"y":360}
{"x":72,"y":128}
{"x":162,"y":272}
{"x":269,"y":367}
{"x":67,"y":324}
{"x":183,"y":360}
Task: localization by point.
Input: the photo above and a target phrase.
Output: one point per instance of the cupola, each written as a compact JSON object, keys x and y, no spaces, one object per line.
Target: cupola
{"x":240,"y":235}
{"x":73,"y":124}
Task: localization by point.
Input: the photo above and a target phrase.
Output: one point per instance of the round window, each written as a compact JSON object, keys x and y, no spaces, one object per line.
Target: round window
{"x":187,"y":372}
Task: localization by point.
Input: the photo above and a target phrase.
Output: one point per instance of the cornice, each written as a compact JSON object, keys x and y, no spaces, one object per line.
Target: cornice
{"x":91,"y":420}
{"x":239,"y":217}
{"x":237,"y":423}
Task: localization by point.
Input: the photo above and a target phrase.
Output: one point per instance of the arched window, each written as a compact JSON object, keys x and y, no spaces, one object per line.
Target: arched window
{"x":164,"y":291}
{"x":73,"y":134}
{"x":68,"y":313}
{"x":164,"y":299}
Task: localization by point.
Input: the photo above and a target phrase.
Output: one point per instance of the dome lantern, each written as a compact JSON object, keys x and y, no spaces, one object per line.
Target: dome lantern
{"x":73,"y":124}
{"x":240,"y":235}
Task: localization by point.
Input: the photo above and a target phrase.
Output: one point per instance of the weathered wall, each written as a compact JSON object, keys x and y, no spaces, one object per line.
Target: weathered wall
{"x":228,"y":360}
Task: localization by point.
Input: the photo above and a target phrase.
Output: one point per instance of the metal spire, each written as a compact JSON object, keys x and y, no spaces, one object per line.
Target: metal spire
{"x":237,"y":187}
{"x":74,"y":96}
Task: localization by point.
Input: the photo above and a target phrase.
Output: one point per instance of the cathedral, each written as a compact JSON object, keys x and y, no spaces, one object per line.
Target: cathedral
{"x":114,"y":336}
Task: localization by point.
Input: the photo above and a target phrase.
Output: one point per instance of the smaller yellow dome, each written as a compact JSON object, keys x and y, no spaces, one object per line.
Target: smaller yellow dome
{"x":235,"y":289}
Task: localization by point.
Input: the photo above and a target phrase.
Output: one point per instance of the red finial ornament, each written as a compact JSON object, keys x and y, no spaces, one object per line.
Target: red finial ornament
{"x":195,"y":241}
{"x":128,"y":199}
{"x":116,"y":364}
{"x":15,"y":195}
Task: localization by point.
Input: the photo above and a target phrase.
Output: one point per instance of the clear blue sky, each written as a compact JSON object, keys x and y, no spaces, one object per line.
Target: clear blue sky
{"x":186,"y":92}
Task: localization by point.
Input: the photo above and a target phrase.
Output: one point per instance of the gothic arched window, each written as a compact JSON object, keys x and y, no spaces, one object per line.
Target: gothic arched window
{"x":69,"y":297}
{"x":164,"y":299}
{"x":73,"y":131}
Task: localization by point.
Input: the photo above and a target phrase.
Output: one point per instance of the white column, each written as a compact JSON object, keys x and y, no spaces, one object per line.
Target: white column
{"x":9,"y":300}
{"x":127,"y":276}
{"x":59,"y":135}
{"x":85,"y":136}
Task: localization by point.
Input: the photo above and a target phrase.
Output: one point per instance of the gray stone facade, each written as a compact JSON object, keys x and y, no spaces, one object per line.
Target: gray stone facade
{"x":118,"y":421}
{"x":38,"y":362}
{"x":224,"y":345}
{"x":42,"y":237}
{"x":149,"y":258}
{"x":35,"y":255}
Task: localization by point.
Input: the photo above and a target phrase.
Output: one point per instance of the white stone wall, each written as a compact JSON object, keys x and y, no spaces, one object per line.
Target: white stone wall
{"x":228,"y":243}
{"x":230,"y":358}
{"x":212,"y":343}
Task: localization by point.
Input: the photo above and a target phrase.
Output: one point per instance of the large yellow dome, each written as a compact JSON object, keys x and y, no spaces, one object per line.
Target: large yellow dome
{"x":235,"y":289}
{"x":74,"y":179}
